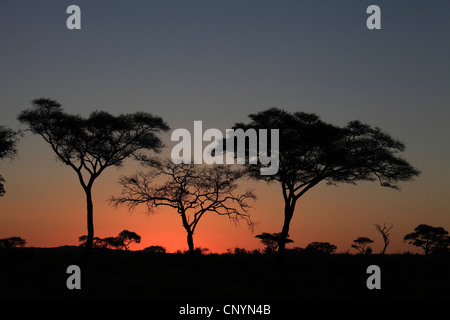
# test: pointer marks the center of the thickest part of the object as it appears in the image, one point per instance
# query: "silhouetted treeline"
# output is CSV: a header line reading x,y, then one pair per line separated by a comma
x,y
122,241
310,151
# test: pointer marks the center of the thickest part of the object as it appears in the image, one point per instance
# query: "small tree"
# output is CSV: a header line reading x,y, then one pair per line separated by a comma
x,y
190,189
122,241
96,242
321,248
127,237
155,249
361,244
113,243
430,239
272,241
385,234
12,242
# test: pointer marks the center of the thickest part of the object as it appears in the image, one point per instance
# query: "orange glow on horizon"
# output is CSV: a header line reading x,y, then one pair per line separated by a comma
x,y
46,207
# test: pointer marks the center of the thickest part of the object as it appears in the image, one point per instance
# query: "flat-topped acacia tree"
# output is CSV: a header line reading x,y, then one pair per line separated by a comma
x,y
312,151
90,145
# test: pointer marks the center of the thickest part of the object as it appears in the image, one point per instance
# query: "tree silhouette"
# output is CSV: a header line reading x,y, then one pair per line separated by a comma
x,y
430,239
12,242
385,234
272,241
113,243
361,244
127,237
96,242
90,145
8,149
320,247
122,241
191,189
311,151
155,249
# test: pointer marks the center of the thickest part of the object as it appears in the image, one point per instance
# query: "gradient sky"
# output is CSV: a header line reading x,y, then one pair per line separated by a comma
x,y
218,61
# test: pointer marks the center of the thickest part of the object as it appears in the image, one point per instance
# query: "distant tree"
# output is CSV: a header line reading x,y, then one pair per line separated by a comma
x,y
192,190
113,243
321,248
8,149
430,239
272,241
312,151
122,241
127,237
361,244
198,251
385,234
155,249
12,242
90,145
238,251
96,243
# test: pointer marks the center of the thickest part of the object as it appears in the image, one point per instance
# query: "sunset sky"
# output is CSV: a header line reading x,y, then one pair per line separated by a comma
x,y
218,61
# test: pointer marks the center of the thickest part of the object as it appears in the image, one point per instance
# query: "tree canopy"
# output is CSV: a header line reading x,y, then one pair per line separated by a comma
x,y
320,248
12,242
190,189
8,149
361,244
430,239
312,151
90,145
272,241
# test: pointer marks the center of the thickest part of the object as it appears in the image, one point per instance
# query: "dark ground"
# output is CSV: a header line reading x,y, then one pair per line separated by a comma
x,y
40,273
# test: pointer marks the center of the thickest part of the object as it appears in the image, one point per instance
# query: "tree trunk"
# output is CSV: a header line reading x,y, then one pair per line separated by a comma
x,y
190,241
384,249
90,223
190,233
289,208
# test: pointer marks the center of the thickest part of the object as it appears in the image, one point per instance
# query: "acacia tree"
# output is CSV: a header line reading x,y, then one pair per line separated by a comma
x,y
320,248
12,242
312,151
430,239
96,243
192,190
385,234
8,149
127,237
90,145
272,241
361,244
122,241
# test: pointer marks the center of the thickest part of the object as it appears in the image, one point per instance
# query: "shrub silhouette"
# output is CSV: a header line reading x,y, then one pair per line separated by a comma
x,y
320,248
155,249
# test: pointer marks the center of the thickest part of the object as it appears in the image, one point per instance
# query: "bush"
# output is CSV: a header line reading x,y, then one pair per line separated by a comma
x,y
155,249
